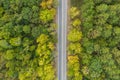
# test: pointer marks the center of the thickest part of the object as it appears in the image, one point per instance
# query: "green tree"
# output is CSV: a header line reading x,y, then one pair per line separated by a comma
x,y
101,19
107,31
26,13
26,29
9,54
116,54
4,44
102,8
15,41
117,31
36,32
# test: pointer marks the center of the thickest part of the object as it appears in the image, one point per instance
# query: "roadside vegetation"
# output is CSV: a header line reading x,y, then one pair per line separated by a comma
x,y
27,40
99,45
74,45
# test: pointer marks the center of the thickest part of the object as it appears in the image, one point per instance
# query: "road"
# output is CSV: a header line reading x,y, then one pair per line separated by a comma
x,y
62,31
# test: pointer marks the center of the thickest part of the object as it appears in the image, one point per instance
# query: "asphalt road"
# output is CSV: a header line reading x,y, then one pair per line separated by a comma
x,y
62,31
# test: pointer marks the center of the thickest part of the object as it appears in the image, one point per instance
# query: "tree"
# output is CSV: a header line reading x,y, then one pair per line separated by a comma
x,y
43,72
116,54
18,29
51,46
76,23
9,55
85,59
97,1
26,29
74,48
102,8
42,39
95,69
35,15
47,15
4,44
74,12
45,58
73,68
74,35
107,31
26,13
92,34
88,12
88,45
117,31
101,19
36,31
113,19
47,4
15,41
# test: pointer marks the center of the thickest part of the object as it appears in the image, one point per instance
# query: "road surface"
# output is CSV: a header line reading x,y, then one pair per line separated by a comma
x,y
62,31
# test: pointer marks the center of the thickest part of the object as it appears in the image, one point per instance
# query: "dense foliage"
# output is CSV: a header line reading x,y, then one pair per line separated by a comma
x,y
74,45
27,39
99,57
101,33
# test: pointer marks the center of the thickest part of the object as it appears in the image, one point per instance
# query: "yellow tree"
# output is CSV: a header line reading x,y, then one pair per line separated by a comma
x,y
47,15
74,48
73,68
74,12
74,35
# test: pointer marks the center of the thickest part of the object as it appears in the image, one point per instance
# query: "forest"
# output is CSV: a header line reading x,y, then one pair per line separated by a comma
x,y
27,39
94,40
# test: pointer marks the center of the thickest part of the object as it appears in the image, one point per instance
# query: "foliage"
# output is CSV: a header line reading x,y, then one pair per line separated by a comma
x,y
15,41
73,68
74,35
25,34
76,23
95,69
26,29
45,57
4,44
100,40
102,8
74,12
116,55
74,46
47,15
